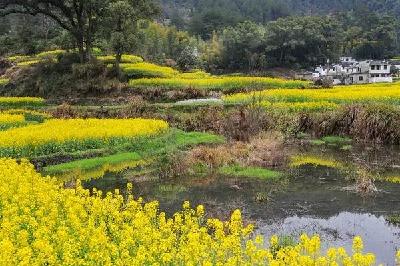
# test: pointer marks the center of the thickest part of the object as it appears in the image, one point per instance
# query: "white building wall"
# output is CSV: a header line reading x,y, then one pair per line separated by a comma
x,y
380,79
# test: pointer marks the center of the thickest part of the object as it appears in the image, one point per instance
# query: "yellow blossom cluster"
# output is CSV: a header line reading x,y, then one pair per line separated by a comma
x,y
300,160
76,133
11,118
45,224
29,113
148,70
392,179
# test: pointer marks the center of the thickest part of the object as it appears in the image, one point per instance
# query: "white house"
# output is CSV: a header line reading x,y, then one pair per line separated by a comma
x,y
351,71
380,72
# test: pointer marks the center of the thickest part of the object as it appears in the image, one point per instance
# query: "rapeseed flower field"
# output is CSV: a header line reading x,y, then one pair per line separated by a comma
x,y
223,83
321,99
43,223
74,134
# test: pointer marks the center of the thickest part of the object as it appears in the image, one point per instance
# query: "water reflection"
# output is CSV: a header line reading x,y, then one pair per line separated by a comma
x,y
379,237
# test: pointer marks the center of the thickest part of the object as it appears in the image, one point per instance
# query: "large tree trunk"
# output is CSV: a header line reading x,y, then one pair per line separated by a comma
x,y
118,58
81,48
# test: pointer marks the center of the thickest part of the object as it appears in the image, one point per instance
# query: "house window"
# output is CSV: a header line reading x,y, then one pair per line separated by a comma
x,y
373,67
378,67
360,78
385,67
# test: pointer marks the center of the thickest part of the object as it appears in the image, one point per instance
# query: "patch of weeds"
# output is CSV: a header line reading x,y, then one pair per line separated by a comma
x,y
317,142
346,147
302,135
171,188
252,172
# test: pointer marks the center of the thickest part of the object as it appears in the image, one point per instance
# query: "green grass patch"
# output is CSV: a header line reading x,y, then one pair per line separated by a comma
x,y
173,140
88,164
336,140
253,172
344,142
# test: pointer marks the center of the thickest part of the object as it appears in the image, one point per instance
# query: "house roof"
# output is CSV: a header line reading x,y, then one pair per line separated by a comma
x,y
379,62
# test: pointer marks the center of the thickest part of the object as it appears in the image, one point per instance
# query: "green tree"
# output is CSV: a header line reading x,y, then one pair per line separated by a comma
x,y
79,17
303,41
120,23
243,46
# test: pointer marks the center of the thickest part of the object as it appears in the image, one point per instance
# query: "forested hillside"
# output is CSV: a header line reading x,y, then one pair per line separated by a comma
x,y
203,16
225,35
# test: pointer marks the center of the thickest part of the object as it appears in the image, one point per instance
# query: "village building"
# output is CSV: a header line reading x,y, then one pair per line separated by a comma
x,y
350,71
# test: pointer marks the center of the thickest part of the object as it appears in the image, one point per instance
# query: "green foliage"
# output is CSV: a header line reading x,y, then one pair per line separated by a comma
x,y
303,40
253,172
244,47
163,44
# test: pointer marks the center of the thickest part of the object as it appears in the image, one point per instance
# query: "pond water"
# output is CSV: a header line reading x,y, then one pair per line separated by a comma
x,y
311,198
